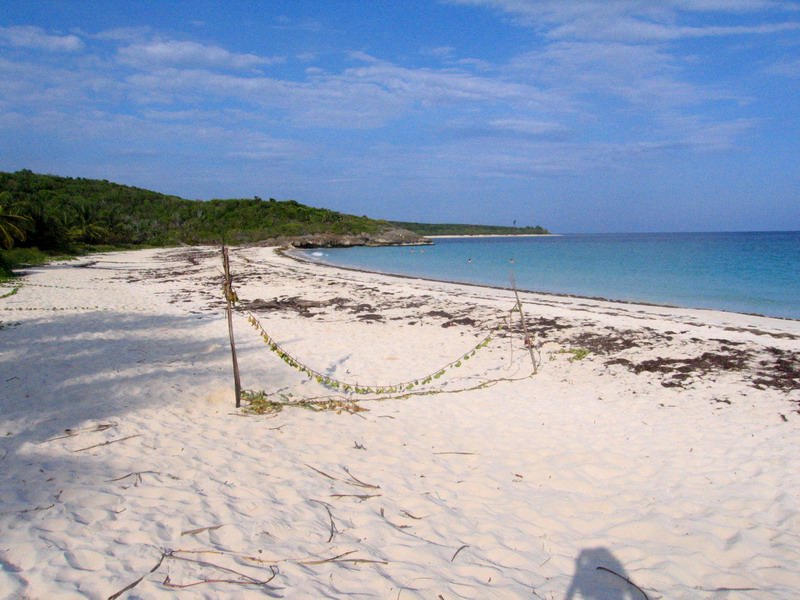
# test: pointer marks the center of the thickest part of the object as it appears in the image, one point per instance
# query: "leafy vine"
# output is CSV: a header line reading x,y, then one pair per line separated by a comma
x,y
342,386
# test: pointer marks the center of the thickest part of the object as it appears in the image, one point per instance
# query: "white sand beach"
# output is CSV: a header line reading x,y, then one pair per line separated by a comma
x,y
662,464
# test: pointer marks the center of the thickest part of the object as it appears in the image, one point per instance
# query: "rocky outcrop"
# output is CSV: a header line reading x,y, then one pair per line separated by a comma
x,y
390,237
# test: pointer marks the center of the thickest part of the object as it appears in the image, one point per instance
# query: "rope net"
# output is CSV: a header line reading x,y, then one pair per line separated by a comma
x,y
360,389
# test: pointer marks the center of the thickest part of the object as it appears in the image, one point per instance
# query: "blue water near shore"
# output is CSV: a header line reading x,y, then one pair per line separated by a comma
x,y
741,272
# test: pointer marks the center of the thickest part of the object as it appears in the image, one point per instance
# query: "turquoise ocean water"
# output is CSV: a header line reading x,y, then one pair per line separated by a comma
x,y
740,272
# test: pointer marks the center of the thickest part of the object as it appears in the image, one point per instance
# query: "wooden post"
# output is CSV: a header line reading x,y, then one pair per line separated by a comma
x,y
528,340
230,298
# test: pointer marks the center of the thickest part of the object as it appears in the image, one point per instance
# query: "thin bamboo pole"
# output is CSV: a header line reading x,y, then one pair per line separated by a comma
x,y
528,339
230,298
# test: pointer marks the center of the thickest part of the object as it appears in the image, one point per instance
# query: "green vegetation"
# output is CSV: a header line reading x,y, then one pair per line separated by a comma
x,y
11,293
18,257
10,227
350,388
456,229
577,353
64,214
258,403
64,210
45,216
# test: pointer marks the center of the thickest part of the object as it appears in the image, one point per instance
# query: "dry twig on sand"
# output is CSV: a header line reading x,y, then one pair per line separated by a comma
x,y
459,550
108,442
201,530
340,559
137,475
646,597
68,433
327,507
351,481
360,497
243,579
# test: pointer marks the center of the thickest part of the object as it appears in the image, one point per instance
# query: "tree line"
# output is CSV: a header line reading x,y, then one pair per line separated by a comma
x,y
60,213
462,229
65,215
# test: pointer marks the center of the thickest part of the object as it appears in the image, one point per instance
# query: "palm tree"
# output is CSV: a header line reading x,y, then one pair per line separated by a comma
x,y
85,227
9,228
43,228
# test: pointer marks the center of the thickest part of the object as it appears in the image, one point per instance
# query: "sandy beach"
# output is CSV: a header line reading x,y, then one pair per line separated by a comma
x,y
653,455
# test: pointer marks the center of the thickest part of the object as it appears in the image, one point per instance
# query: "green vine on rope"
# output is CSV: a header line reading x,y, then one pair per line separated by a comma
x,y
342,386
58,308
11,293
56,287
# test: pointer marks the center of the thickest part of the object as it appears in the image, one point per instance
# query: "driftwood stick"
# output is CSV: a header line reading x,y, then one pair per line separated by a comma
x,y
138,581
334,529
136,474
168,582
27,510
230,298
326,560
340,559
459,550
68,433
528,340
358,482
209,565
405,513
359,497
108,442
625,579
201,530
323,473
352,480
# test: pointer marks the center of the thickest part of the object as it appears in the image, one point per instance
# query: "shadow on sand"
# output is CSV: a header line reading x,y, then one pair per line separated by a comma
x,y
57,373
600,576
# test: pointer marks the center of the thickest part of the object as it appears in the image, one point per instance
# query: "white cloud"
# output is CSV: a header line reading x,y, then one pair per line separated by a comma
x,y
786,68
441,52
35,86
641,88
37,39
733,6
288,24
704,135
363,57
181,135
190,54
124,34
512,128
438,86
527,126
568,106
634,30
635,21
360,97
474,63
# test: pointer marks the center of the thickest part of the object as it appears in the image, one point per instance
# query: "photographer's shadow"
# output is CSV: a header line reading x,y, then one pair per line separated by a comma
x,y
600,576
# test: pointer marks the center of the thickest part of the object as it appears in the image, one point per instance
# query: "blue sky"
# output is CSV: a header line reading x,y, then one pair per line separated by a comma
x,y
581,116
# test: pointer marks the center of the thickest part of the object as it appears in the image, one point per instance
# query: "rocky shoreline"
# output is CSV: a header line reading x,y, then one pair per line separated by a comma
x,y
390,237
